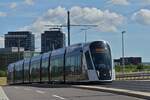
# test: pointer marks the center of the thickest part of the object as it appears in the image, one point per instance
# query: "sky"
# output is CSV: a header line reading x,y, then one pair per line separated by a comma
x,y
111,16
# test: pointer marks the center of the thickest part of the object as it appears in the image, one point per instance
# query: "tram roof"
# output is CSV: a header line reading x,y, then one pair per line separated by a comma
x,y
36,57
47,54
58,52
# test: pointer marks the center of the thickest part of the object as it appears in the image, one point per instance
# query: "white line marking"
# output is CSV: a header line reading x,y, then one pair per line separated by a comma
x,y
3,96
27,89
16,87
38,91
58,97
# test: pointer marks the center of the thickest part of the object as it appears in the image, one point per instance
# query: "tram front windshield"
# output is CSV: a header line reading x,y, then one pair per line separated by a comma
x,y
101,56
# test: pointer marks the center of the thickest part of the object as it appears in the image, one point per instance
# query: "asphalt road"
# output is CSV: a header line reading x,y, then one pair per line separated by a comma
x,y
143,86
61,93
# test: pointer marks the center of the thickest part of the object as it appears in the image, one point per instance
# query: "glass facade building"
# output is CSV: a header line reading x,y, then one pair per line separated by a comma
x,y
52,39
23,39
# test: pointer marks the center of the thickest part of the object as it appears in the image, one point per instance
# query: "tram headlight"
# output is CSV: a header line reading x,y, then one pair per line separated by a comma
x,y
97,72
110,72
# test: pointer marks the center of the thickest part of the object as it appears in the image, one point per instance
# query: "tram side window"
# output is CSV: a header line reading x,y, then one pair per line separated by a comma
x,y
78,66
88,60
26,71
19,71
57,68
35,68
73,67
68,65
45,63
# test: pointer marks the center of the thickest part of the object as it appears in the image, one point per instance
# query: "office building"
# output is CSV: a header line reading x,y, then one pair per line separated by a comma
x,y
9,55
52,39
18,39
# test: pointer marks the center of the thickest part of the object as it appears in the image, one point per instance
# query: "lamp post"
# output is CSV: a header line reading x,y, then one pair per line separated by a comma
x,y
68,26
123,60
85,33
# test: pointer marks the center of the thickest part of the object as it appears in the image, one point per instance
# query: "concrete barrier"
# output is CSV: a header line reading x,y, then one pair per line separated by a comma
x,y
3,81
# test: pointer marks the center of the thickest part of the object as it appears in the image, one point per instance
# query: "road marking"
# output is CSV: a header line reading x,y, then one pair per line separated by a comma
x,y
38,91
3,96
58,97
16,87
28,89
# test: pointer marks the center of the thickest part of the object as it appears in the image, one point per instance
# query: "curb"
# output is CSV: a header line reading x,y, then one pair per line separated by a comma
x,y
138,94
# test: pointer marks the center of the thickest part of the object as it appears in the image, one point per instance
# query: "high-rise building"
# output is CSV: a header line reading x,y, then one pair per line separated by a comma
x,y
52,39
23,39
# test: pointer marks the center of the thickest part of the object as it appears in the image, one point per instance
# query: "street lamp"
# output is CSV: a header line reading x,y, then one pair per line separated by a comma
x,y
123,60
85,33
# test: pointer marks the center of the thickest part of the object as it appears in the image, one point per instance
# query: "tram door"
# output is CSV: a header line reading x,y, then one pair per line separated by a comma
x,y
92,76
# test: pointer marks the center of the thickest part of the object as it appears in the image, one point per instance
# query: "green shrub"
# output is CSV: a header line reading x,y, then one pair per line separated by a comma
x,y
2,73
132,68
140,67
118,68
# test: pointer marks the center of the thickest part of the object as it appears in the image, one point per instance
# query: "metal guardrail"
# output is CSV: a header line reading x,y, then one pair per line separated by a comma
x,y
133,76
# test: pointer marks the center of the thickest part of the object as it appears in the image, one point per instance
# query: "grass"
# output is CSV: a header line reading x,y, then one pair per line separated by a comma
x,y
132,68
3,80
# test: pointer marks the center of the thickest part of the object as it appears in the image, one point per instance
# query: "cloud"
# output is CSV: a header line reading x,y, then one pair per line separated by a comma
x,y
13,5
142,17
1,42
119,2
29,2
146,2
2,14
142,2
107,21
